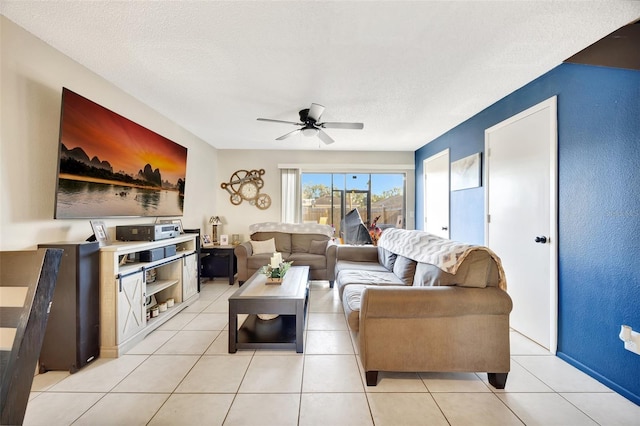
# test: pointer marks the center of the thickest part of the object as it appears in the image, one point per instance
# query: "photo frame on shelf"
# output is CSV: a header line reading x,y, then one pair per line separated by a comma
x,y
224,240
206,239
100,232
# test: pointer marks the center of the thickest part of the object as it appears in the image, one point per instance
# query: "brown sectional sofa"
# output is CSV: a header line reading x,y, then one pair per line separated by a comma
x,y
411,315
303,244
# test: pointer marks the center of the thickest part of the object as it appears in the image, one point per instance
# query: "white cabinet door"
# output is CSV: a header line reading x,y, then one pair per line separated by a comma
x,y
131,309
189,276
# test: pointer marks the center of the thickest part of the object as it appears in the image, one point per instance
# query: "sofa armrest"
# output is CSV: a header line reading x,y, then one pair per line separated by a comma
x,y
243,252
331,256
366,253
425,302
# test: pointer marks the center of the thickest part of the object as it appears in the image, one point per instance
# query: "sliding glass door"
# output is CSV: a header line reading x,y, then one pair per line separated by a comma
x,y
328,197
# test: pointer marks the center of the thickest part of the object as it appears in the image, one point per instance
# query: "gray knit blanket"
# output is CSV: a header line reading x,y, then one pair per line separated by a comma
x,y
428,248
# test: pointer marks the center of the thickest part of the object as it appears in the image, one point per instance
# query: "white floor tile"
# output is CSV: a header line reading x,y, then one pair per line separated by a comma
x,y
608,409
188,342
334,409
264,410
197,306
57,408
545,409
331,373
208,321
475,409
325,301
101,375
152,342
273,374
559,375
193,409
389,381
518,380
215,374
453,382
326,321
405,409
119,409
521,345
178,322
42,382
328,342
159,374
218,306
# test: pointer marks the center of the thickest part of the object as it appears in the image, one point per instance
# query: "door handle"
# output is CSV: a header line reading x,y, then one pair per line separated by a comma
x,y
541,240
445,228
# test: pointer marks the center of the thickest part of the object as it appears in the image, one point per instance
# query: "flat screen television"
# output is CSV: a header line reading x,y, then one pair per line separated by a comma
x,y
109,166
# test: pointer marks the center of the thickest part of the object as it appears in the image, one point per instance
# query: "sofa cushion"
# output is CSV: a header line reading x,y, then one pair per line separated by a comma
x,y
300,243
257,261
263,247
283,240
351,300
313,261
405,269
345,265
318,247
430,275
349,277
386,258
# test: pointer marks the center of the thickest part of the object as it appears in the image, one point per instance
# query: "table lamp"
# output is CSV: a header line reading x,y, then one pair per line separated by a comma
x,y
215,221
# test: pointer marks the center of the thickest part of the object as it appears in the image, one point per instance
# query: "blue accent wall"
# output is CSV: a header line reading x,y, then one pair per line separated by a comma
x,y
599,209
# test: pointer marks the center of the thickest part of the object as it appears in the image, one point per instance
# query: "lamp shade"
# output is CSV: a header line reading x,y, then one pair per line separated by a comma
x,y
215,220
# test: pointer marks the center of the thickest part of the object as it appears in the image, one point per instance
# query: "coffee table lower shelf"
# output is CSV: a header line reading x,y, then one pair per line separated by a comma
x,y
277,333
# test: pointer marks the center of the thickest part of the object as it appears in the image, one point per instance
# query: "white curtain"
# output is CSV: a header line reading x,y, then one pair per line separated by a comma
x,y
291,196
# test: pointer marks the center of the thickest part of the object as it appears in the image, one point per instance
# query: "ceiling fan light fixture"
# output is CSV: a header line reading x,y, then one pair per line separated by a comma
x,y
309,131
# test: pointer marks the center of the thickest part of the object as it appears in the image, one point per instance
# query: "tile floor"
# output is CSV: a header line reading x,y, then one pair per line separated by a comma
x,y
182,374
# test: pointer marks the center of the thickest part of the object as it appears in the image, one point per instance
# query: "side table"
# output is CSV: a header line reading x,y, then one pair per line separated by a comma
x,y
218,261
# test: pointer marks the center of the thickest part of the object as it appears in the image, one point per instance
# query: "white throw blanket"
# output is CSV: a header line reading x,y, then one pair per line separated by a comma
x,y
428,248
292,228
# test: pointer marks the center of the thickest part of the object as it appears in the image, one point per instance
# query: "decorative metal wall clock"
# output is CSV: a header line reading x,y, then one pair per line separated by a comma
x,y
246,185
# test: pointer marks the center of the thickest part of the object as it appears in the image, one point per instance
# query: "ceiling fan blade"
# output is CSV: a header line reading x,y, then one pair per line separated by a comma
x,y
325,137
287,135
280,121
338,125
315,111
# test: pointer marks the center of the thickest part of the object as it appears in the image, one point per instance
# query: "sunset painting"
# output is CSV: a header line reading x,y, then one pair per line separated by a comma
x,y
110,166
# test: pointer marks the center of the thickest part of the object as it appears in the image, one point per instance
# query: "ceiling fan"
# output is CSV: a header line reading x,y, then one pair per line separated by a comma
x,y
311,125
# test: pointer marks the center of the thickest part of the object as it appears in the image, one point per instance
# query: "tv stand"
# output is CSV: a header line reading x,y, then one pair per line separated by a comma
x,y
128,284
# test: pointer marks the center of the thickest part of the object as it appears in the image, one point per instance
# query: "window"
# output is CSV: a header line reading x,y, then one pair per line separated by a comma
x,y
328,197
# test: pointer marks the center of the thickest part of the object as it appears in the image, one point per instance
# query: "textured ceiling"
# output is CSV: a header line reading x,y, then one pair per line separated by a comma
x,y
409,71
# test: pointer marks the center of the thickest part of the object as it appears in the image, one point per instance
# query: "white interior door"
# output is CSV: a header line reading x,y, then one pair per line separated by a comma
x,y
436,196
521,164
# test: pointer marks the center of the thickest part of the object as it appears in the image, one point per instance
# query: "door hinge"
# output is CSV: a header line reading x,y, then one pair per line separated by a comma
x,y
488,218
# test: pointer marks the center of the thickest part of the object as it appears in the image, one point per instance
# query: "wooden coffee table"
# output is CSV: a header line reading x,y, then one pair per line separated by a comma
x,y
288,300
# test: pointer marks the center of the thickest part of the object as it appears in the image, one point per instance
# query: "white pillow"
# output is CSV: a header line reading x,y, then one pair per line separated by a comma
x,y
261,247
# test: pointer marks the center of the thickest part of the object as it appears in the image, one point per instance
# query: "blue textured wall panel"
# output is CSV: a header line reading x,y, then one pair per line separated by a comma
x,y
599,209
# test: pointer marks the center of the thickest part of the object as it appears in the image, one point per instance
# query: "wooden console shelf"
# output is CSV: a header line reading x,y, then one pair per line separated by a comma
x,y
125,294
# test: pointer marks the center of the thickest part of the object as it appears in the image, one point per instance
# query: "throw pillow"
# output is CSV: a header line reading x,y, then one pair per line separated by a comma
x,y
405,269
318,247
262,247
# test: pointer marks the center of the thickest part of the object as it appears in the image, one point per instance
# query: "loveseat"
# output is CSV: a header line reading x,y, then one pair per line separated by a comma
x,y
423,303
303,244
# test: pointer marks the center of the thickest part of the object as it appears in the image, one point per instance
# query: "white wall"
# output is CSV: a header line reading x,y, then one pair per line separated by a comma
x,y
236,219
31,81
